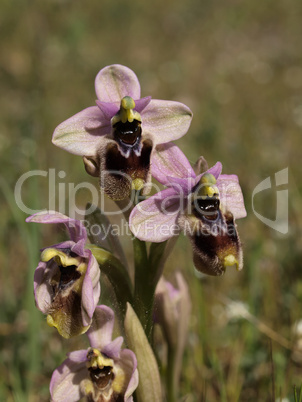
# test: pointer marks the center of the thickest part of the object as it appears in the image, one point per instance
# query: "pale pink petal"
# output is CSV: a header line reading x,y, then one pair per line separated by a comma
x,y
116,81
100,332
79,248
91,289
82,133
169,160
155,218
165,121
182,186
129,364
65,381
75,228
140,104
215,170
113,348
108,109
63,245
78,356
42,287
231,197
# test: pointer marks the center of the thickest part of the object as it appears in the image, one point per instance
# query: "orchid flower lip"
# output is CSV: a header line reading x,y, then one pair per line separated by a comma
x,y
128,135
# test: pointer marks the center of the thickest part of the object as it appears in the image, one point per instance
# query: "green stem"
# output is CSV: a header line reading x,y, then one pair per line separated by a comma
x,y
148,271
170,376
144,287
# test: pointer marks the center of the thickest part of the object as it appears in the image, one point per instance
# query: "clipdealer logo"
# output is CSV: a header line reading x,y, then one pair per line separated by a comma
x,y
280,223
60,190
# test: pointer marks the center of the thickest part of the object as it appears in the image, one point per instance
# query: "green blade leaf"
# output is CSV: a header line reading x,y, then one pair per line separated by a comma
x,y
149,388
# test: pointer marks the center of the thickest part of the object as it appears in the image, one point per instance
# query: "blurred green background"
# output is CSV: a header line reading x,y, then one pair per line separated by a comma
x,y
237,65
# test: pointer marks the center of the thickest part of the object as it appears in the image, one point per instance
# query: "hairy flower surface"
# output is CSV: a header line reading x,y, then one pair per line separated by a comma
x,y
117,137
66,281
204,206
104,372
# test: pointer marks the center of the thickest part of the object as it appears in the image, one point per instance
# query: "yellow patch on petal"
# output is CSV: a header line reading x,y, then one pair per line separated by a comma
x,y
60,257
137,184
87,387
119,381
50,321
230,260
58,321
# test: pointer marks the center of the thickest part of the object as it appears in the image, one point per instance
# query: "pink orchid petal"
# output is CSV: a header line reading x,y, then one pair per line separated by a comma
x,y
65,381
91,289
129,364
182,186
165,121
82,133
65,244
169,160
42,287
108,109
79,248
215,170
155,218
140,104
230,194
75,228
78,356
100,332
113,348
116,81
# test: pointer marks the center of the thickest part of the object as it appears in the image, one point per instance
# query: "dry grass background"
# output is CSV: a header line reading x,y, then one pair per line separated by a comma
x,y
237,65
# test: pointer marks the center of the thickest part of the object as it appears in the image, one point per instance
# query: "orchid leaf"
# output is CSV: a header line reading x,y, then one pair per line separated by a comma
x,y
149,387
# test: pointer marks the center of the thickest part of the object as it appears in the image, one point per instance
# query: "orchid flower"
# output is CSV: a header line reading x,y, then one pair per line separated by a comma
x,y
204,206
66,280
117,136
172,309
104,372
